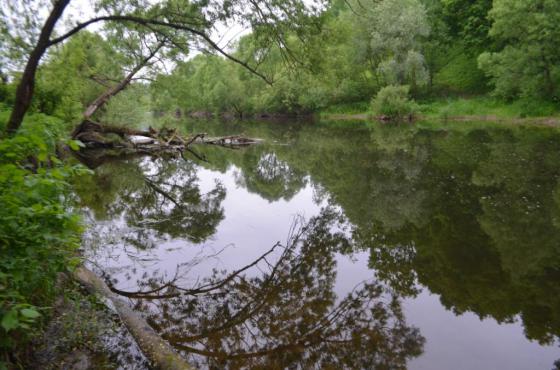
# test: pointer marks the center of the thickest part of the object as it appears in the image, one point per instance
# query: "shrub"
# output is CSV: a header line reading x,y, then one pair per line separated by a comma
x,y
38,231
393,102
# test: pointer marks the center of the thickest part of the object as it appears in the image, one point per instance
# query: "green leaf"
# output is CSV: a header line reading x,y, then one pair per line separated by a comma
x,y
42,156
30,313
73,263
75,144
10,320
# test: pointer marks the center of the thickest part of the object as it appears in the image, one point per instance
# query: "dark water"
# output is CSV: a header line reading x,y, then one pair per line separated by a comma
x,y
341,245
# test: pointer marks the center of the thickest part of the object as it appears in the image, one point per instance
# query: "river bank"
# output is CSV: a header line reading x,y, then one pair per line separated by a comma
x,y
479,109
82,333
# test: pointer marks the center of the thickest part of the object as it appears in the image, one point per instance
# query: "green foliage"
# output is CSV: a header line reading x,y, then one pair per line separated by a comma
x,y
345,62
4,92
528,63
348,108
467,20
433,47
487,107
38,231
530,107
131,108
460,74
393,102
395,29
66,83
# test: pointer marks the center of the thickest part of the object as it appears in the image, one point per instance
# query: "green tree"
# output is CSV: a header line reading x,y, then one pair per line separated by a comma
x,y
528,61
75,74
468,20
396,30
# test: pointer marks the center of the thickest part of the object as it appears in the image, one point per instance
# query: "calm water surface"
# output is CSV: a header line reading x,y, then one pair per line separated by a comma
x,y
340,245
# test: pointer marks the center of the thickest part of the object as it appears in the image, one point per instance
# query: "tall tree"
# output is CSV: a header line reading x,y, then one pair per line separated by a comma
x,y
26,86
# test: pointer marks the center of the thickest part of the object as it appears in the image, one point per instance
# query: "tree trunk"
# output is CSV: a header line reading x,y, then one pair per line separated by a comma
x,y
104,98
156,349
24,92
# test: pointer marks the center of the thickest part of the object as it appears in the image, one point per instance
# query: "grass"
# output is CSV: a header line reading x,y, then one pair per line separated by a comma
x,y
487,107
482,108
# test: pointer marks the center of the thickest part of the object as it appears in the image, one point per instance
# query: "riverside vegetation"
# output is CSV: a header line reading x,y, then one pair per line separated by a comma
x,y
393,59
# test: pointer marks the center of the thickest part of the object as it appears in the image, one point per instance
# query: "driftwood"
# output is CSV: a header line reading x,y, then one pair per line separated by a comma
x,y
96,135
156,349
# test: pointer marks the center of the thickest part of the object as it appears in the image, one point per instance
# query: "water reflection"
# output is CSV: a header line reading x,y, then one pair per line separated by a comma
x,y
470,213
270,177
286,315
157,198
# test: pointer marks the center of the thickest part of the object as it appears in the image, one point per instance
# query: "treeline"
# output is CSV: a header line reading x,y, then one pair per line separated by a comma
x,y
503,49
506,49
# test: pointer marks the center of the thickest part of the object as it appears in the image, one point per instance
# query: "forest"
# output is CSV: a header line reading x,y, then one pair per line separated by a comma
x,y
84,75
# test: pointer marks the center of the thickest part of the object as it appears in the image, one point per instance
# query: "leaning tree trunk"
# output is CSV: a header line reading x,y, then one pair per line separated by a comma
x,y
153,346
24,92
104,98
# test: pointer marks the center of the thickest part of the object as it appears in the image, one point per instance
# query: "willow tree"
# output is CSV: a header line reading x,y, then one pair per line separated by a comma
x,y
26,34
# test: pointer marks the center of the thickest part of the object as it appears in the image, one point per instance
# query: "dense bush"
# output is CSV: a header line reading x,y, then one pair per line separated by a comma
x,y
393,102
38,231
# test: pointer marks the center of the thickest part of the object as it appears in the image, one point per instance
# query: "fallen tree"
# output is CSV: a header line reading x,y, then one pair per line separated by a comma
x,y
155,348
97,135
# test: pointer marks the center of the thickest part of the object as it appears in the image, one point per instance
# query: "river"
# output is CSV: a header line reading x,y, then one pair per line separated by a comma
x,y
340,245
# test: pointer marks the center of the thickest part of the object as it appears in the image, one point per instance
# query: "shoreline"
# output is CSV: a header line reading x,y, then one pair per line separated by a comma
x,y
550,121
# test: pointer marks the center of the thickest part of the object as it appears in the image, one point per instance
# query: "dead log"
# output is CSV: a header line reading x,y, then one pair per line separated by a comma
x,y
233,140
95,135
156,349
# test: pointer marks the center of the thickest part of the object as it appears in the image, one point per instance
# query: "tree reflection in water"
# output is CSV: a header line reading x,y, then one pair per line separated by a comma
x,y
156,199
265,174
280,310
